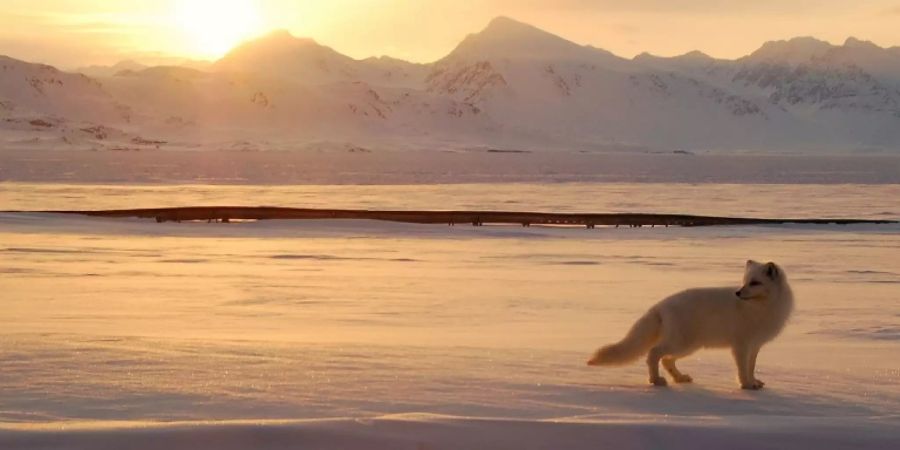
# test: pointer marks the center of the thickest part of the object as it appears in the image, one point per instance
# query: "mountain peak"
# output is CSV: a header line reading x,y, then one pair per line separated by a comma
x,y
277,39
278,50
692,57
504,37
504,24
696,55
853,42
798,49
505,29
281,33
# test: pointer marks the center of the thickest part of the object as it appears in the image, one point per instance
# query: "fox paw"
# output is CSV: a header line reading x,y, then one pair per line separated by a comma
x,y
659,381
683,378
760,382
755,385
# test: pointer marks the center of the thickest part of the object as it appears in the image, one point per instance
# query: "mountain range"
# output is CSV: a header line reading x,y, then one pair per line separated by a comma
x,y
510,86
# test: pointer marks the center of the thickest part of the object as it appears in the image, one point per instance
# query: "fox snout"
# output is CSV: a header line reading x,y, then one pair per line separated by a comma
x,y
737,293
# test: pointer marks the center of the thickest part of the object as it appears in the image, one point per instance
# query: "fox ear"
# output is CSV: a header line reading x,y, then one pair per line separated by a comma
x,y
771,270
750,262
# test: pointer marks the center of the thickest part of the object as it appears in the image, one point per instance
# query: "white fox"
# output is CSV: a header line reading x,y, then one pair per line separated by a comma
x,y
679,325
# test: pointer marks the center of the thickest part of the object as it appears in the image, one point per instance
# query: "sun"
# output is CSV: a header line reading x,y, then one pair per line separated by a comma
x,y
213,27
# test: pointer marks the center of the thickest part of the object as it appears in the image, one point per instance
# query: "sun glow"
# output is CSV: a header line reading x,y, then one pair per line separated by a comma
x,y
214,27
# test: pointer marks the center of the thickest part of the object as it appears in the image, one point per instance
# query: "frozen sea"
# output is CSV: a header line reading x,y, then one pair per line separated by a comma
x,y
128,334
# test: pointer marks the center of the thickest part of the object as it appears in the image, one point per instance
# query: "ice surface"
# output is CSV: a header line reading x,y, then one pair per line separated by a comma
x,y
430,163
357,334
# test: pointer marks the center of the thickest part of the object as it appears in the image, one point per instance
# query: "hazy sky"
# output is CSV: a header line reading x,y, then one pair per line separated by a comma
x,y
73,33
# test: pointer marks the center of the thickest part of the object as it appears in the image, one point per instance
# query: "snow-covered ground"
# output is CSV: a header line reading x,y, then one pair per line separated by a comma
x,y
344,163
119,333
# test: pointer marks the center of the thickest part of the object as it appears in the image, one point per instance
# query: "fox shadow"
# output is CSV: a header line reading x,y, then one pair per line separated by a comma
x,y
693,399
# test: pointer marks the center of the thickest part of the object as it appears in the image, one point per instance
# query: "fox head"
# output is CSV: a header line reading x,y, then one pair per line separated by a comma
x,y
760,280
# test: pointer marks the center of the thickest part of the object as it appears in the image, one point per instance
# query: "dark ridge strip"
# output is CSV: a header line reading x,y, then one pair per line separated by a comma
x,y
477,218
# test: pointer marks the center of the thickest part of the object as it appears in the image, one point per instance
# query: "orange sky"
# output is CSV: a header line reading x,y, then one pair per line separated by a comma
x,y
73,33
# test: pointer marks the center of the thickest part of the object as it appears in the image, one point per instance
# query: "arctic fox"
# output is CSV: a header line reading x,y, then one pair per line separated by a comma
x,y
679,325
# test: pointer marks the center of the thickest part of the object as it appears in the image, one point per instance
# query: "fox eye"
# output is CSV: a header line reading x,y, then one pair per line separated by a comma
x,y
755,283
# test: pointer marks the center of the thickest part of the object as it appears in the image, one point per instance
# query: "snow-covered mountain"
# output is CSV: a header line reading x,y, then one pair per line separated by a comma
x,y
510,85
826,94
279,54
107,71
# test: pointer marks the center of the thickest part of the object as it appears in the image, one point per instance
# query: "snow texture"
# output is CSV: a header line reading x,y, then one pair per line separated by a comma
x,y
356,334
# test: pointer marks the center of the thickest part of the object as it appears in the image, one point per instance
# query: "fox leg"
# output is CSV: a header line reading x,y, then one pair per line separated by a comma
x,y
668,363
656,353
741,355
753,354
